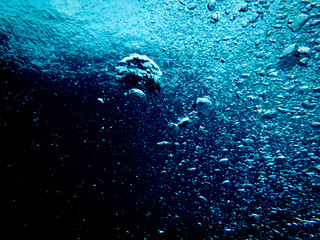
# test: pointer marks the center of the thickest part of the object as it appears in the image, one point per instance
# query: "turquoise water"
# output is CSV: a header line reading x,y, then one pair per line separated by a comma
x,y
226,147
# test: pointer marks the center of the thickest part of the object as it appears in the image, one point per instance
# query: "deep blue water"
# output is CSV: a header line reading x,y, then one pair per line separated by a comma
x,y
81,159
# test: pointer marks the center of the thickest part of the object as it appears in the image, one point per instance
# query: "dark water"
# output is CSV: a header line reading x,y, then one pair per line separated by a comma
x,y
74,167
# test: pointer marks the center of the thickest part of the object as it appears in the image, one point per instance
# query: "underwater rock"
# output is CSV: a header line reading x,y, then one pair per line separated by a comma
x,y
224,161
136,94
203,199
307,104
304,61
315,124
283,110
293,55
140,64
315,186
304,89
316,89
188,122
291,49
270,114
193,169
255,217
244,8
172,128
299,22
100,100
254,17
139,72
315,22
192,6
304,50
214,18
204,105
211,4
226,183
163,143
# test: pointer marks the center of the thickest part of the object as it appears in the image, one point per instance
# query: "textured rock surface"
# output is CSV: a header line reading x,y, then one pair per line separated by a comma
x,y
299,22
